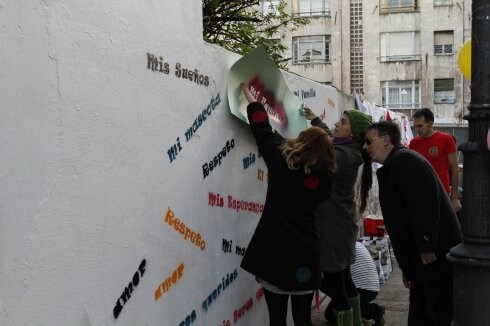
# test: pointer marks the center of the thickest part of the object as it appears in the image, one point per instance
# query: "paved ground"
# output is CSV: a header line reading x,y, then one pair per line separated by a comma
x,y
392,295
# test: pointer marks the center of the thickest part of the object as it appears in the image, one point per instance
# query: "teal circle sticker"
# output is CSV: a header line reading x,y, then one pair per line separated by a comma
x,y
303,274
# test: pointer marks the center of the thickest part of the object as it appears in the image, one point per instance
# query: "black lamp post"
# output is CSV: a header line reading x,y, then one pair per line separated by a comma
x,y
472,258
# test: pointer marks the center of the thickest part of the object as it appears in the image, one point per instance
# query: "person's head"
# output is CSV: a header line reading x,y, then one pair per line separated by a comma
x,y
423,121
381,138
352,123
312,146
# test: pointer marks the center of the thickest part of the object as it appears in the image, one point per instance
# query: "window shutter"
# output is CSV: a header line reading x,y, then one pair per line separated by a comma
x,y
443,85
383,46
443,37
404,44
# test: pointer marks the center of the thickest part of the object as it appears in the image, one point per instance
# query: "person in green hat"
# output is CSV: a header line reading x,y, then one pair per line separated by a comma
x,y
336,218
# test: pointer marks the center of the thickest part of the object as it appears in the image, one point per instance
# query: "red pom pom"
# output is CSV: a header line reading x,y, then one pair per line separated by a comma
x,y
312,182
259,116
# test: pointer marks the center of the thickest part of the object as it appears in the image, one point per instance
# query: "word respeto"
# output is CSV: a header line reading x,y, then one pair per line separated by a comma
x,y
180,227
216,161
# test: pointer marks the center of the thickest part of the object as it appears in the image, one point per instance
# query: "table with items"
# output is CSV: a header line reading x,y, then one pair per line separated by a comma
x,y
380,250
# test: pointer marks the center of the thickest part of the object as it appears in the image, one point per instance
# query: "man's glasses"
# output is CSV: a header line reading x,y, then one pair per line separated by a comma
x,y
368,140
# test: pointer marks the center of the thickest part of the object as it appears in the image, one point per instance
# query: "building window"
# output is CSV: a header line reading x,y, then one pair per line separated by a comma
x,y
311,49
269,7
444,91
443,3
394,6
443,42
400,94
400,46
356,47
311,7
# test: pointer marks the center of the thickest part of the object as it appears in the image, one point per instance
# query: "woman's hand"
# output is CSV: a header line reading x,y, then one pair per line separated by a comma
x,y
247,93
309,115
428,257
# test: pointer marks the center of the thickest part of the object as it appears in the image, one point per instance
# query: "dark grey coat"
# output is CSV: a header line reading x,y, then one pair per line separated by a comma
x,y
336,217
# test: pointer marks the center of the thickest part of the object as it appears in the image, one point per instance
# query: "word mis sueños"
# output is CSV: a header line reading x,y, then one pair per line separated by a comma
x,y
156,63
216,161
129,289
176,148
180,227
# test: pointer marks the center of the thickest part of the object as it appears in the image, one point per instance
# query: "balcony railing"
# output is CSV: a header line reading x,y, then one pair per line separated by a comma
x,y
443,3
309,61
407,57
399,106
312,13
398,9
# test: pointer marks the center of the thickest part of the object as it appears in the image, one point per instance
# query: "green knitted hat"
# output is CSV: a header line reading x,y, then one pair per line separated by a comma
x,y
359,122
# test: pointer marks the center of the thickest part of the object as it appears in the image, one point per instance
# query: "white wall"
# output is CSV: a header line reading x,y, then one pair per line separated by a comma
x,y
86,178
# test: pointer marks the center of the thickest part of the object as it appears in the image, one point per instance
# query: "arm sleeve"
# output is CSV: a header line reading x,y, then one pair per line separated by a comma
x,y
450,145
317,122
267,140
419,189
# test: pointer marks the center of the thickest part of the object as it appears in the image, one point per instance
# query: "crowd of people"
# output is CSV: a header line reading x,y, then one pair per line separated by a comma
x,y
314,206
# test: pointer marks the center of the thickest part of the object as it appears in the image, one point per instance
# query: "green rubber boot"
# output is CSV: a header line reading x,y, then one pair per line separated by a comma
x,y
343,317
355,303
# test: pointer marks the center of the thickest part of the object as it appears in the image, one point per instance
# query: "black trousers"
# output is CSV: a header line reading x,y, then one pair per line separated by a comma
x,y
366,297
339,287
277,304
431,303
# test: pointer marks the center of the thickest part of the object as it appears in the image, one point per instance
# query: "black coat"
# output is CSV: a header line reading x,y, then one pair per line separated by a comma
x,y
284,249
418,215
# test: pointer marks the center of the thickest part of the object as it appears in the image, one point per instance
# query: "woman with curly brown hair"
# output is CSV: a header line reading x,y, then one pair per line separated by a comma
x,y
284,252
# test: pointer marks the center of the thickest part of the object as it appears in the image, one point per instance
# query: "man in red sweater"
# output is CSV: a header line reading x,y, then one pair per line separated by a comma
x,y
440,150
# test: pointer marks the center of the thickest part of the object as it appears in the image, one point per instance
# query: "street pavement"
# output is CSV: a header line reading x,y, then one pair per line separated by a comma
x,y
393,296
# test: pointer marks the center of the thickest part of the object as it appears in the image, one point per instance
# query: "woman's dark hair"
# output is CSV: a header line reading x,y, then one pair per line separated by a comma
x,y
366,180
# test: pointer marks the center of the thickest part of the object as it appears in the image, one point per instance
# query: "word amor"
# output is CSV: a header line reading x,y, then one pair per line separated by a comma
x,y
169,282
129,289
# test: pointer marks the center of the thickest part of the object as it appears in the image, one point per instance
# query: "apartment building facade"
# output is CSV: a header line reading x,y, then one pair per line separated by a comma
x,y
400,54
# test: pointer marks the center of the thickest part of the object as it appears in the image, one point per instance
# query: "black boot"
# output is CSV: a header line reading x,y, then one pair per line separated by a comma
x,y
329,314
376,313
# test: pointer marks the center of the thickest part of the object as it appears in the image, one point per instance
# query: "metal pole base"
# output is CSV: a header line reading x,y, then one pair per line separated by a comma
x,y
471,284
